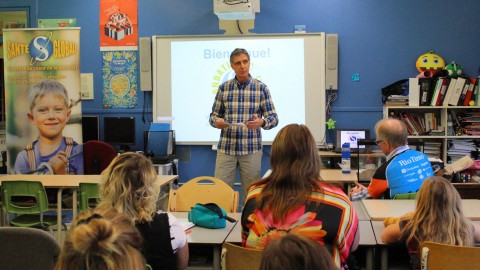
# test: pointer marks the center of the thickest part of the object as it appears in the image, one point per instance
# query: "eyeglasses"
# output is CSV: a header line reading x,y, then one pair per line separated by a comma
x,y
378,142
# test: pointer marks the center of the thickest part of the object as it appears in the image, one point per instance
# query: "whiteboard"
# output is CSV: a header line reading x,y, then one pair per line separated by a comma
x,y
187,71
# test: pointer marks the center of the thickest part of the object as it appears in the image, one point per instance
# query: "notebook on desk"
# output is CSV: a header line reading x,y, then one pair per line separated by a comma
x,y
351,136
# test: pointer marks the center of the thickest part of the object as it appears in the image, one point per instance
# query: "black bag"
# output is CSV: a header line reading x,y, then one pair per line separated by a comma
x,y
396,88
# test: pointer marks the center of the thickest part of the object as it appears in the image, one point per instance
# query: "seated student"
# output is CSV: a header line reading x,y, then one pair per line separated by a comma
x,y
293,199
101,240
295,251
404,170
129,184
438,217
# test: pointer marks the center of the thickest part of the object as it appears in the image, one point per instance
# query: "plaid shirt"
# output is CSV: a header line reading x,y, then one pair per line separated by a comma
x,y
237,102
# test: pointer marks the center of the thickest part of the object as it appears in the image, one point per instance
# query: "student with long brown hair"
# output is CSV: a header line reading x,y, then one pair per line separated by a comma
x,y
438,217
293,199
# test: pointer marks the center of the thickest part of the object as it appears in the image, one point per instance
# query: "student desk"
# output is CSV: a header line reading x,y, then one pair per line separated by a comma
x,y
212,237
72,182
378,210
335,176
367,239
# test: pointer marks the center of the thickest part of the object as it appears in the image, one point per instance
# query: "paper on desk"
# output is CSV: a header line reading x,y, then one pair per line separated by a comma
x,y
237,124
185,223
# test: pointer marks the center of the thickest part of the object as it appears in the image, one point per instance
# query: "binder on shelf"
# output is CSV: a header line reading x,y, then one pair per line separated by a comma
x,y
426,91
436,92
449,91
476,92
469,94
413,92
443,91
463,95
457,91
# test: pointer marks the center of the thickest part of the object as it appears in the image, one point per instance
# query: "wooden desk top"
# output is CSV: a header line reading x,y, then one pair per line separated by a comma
x,y
199,235
336,175
380,209
70,180
361,213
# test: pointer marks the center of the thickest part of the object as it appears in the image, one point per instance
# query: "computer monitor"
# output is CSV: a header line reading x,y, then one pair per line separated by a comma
x,y
90,128
119,131
351,136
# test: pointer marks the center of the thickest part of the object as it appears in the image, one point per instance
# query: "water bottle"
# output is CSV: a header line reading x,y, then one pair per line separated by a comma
x,y
346,158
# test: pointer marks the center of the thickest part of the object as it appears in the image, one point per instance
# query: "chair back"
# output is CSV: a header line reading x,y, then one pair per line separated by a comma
x,y
203,189
235,257
27,248
97,156
437,256
87,196
24,197
28,200
405,196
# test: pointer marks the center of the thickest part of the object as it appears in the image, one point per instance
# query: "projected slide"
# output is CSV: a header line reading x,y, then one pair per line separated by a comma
x,y
187,71
199,67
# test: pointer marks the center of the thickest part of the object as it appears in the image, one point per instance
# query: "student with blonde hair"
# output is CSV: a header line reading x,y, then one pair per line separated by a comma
x,y
129,185
102,240
438,217
293,199
295,251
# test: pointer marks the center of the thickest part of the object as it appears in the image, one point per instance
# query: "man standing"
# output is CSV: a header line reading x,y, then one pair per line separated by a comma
x,y
242,106
405,169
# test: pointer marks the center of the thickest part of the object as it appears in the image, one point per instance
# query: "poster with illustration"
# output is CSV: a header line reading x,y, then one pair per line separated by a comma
x,y
43,105
119,79
118,25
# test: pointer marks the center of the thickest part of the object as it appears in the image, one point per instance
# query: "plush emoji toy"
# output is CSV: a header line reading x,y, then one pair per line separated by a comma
x,y
454,70
430,61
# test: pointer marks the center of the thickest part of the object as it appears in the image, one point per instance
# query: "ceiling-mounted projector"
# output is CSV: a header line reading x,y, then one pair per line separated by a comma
x,y
233,10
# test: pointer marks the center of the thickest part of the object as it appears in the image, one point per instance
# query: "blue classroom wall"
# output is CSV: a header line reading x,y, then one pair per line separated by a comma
x,y
379,40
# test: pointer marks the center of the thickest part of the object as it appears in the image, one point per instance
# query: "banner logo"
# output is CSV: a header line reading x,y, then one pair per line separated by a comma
x,y
40,49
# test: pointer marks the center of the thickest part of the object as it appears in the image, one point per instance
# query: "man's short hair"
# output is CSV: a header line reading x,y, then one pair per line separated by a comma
x,y
47,87
237,52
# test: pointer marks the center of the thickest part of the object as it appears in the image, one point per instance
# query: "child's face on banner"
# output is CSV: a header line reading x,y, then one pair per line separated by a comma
x,y
50,115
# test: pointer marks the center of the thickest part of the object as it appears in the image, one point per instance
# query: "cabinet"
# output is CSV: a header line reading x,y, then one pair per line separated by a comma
x,y
440,124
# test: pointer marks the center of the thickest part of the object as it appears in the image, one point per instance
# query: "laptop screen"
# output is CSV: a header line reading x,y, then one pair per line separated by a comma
x,y
351,136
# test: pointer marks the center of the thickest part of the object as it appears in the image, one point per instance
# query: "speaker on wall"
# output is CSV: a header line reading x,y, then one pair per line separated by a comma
x,y
331,59
145,48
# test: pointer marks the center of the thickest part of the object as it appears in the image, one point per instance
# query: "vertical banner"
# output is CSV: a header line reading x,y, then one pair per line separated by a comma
x,y
43,106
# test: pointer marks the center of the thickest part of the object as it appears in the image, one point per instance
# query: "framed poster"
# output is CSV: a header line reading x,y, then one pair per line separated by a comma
x,y
12,17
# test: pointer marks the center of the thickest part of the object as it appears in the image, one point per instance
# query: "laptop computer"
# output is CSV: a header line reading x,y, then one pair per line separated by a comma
x,y
351,136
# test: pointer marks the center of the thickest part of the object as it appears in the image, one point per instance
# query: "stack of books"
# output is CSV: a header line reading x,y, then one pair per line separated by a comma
x,y
458,148
432,149
397,100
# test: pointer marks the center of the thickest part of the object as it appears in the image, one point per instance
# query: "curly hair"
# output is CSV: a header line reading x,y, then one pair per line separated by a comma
x,y
128,185
102,239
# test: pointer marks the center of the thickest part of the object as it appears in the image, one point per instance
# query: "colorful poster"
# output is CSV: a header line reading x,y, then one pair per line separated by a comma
x,y
118,25
119,79
42,91
10,20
